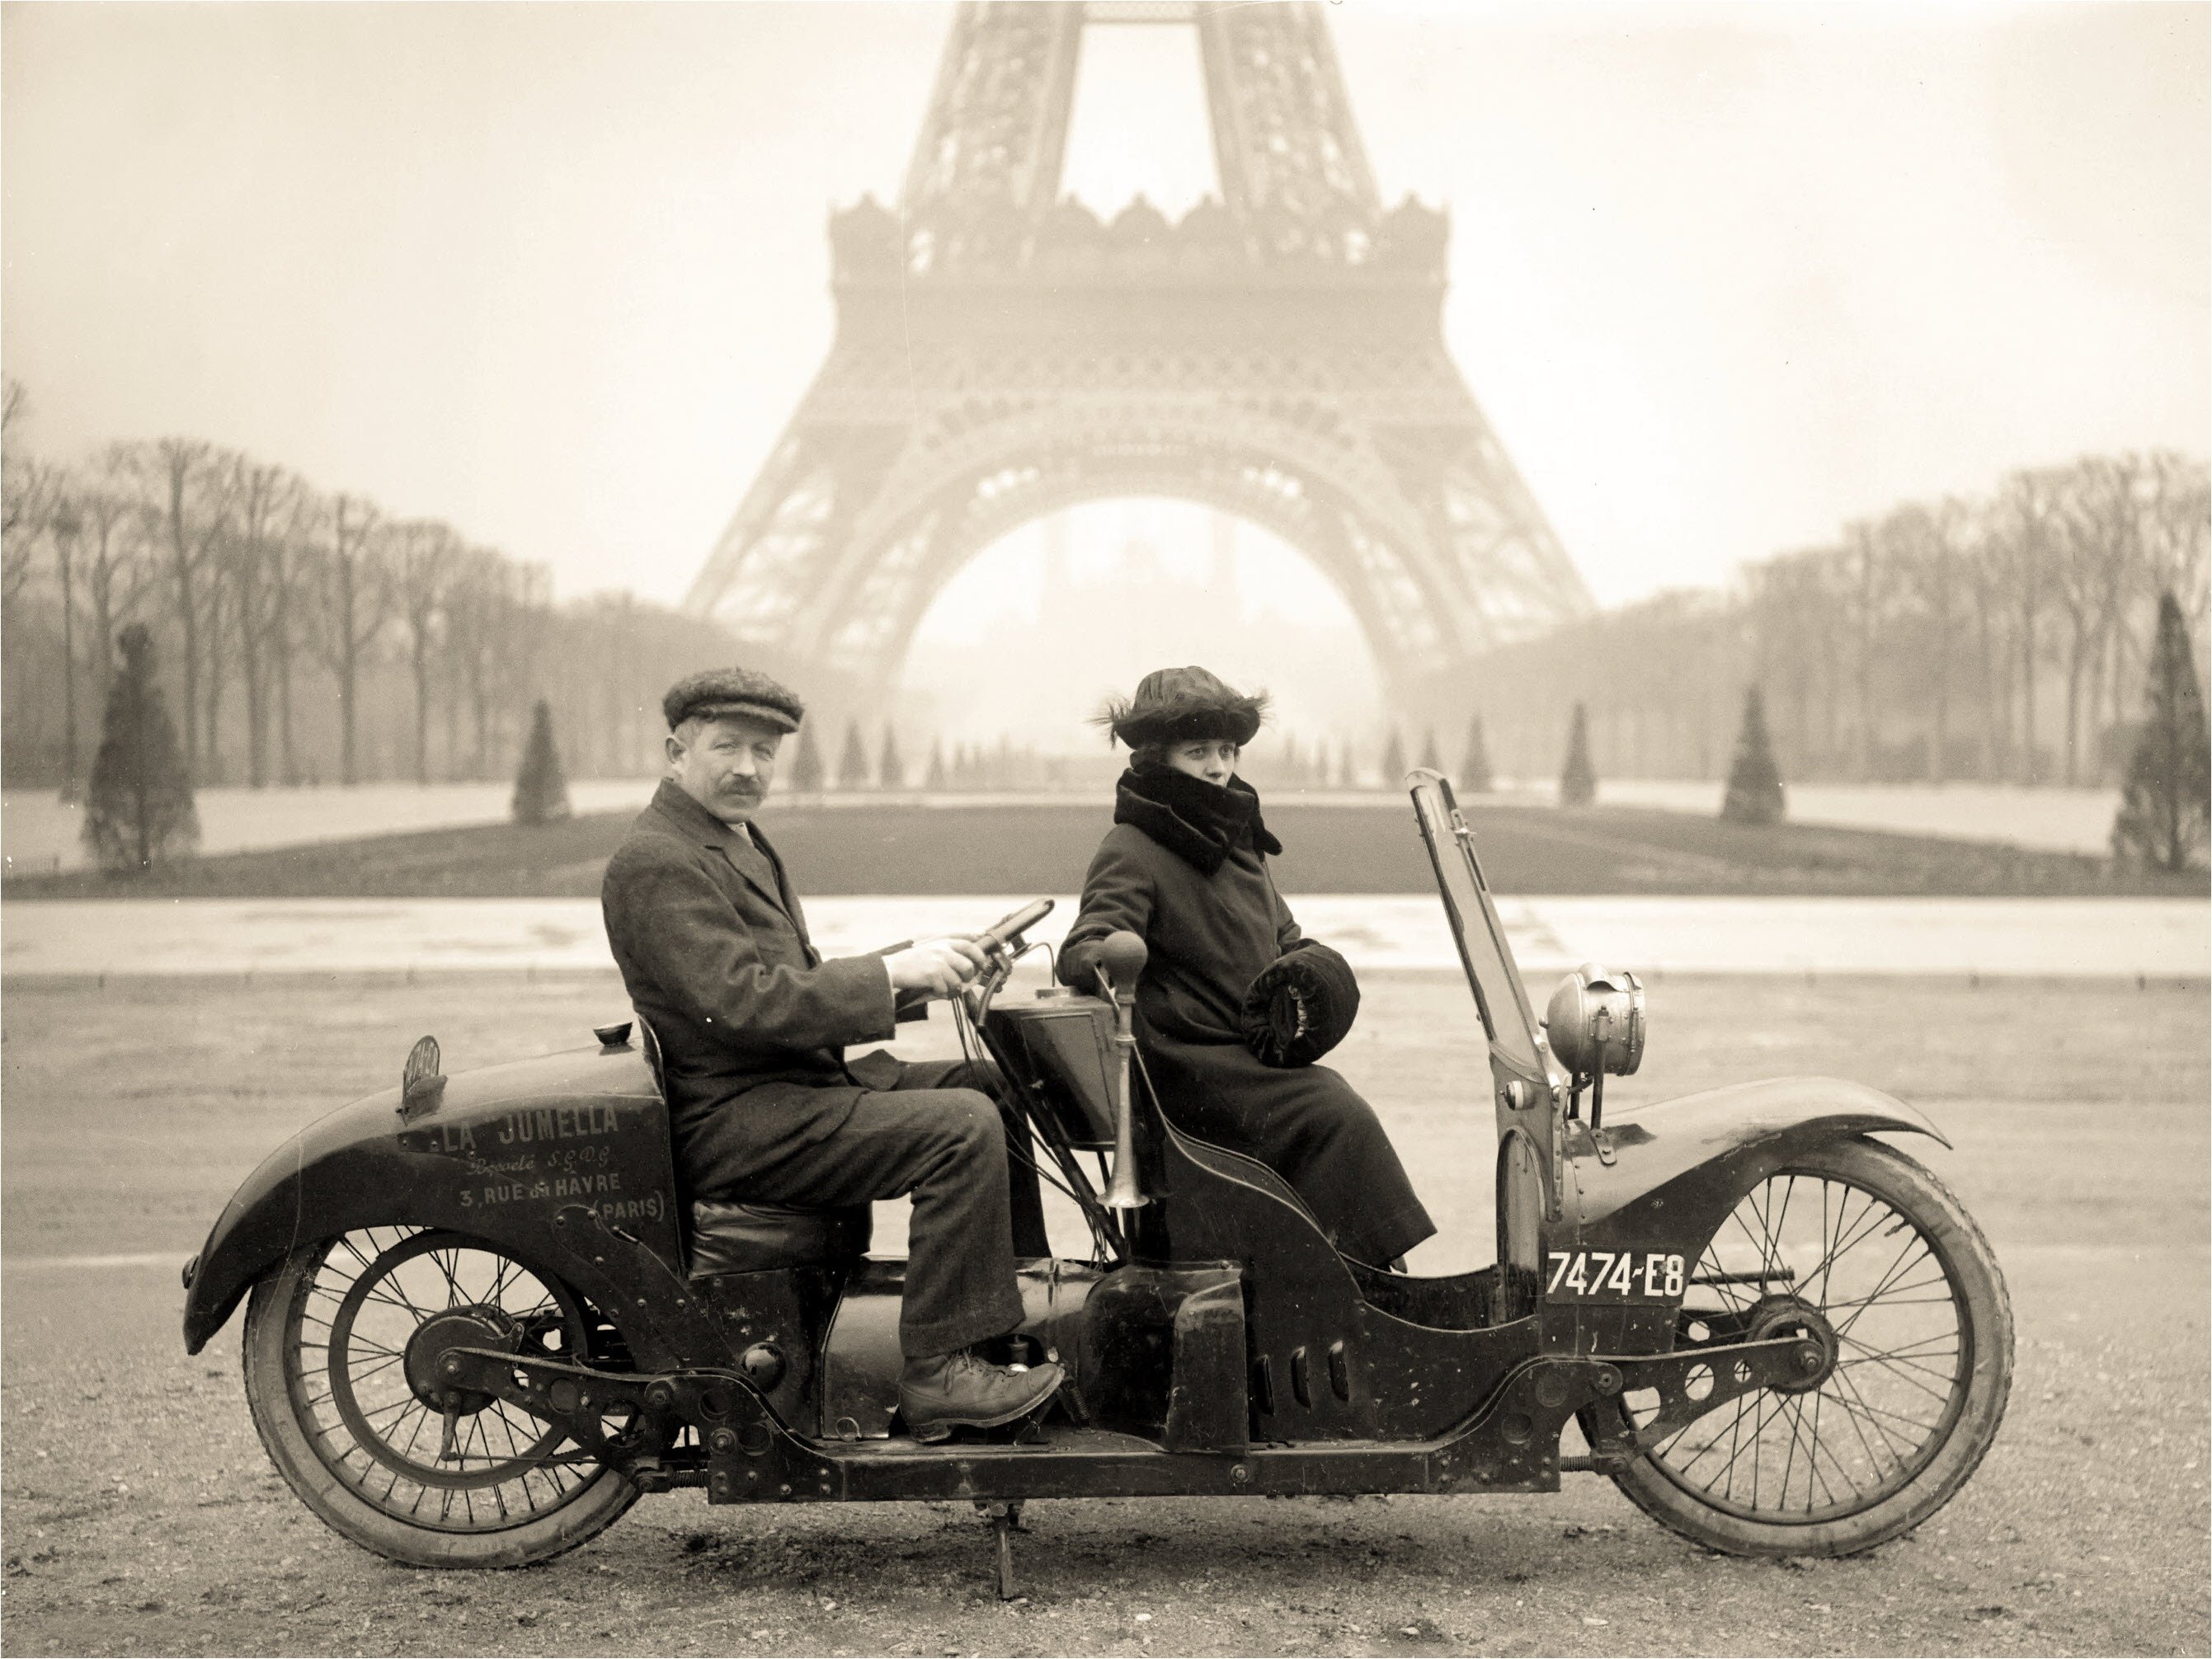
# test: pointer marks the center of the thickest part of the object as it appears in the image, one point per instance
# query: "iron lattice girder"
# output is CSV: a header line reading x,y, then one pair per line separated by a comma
x,y
999,354
1284,136
947,415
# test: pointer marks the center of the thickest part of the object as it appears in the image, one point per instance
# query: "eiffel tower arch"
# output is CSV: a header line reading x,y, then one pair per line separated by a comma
x,y
1002,353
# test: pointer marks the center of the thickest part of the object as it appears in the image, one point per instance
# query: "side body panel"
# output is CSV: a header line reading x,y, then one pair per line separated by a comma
x,y
506,1148
1325,1361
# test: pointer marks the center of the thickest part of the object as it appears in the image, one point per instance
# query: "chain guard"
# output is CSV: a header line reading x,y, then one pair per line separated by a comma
x,y
1731,1370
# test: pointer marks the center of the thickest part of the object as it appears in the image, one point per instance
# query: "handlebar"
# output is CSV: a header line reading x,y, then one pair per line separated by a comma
x,y
1003,932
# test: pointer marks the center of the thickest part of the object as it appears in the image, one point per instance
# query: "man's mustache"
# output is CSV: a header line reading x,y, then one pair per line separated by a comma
x,y
743,787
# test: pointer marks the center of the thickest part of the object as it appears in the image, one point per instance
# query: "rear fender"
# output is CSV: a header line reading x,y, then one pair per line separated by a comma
x,y
1675,1171
505,1149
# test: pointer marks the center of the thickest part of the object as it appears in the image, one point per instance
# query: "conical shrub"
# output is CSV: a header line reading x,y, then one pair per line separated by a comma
x,y
1394,762
1474,777
852,764
890,769
138,810
1754,782
806,765
1578,778
541,789
2162,820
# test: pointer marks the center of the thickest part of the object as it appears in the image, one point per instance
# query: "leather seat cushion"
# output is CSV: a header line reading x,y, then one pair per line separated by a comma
x,y
731,1237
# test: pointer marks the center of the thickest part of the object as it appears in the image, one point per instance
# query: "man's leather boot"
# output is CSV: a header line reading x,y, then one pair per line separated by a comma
x,y
961,1390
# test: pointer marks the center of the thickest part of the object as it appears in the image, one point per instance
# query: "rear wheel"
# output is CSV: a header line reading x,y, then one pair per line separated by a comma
x,y
340,1346
1856,1247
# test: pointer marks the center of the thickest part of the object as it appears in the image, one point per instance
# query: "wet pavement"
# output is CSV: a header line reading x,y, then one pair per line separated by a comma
x,y
2118,938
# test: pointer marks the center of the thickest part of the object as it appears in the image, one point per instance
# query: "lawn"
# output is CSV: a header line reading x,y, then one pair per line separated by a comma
x,y
1044,846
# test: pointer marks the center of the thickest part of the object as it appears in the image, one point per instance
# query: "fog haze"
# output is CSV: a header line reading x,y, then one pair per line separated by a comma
x,y
1723,275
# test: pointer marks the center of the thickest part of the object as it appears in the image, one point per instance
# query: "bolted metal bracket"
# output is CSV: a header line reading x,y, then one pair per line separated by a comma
x,y
667,1323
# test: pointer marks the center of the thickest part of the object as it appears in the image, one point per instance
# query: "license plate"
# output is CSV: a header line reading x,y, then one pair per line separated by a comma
x,y
1605,1276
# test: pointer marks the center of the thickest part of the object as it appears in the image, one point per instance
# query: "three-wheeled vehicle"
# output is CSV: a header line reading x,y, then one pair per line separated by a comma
x,y
483,1317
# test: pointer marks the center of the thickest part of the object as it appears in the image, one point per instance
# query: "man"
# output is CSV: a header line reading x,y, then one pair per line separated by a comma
x,y
752,1022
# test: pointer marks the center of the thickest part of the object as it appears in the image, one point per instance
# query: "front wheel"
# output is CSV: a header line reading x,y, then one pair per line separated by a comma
x,y
341,1342
1858,1246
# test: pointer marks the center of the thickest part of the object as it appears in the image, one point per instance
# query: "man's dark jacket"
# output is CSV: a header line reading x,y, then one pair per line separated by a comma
x,y
712,947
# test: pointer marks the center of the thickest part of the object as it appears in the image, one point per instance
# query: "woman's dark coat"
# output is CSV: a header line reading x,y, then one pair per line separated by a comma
x,y
1185,868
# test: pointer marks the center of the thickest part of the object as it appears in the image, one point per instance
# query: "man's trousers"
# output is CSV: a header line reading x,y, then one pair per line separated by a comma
x,y
936,1134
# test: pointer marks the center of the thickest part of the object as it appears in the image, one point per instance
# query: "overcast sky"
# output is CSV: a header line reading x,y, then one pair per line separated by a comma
x,y
1723,276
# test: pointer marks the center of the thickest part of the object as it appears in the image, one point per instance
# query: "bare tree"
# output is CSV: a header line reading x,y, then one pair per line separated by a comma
x,y
271,504
427,553
63,524
26,499
289,572
478,606
186,486
2098,543
112,558
219,627
2177,530
2032,524
520,645
21,515
1797,613
1950,530
1873,553
353,604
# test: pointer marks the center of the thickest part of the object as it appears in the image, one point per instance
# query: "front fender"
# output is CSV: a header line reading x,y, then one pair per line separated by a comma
x,y
1677,1169
1679,1166
505,1148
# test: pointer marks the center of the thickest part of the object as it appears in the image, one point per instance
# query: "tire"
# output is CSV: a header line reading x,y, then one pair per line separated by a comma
x,y
326,1378
1923,1344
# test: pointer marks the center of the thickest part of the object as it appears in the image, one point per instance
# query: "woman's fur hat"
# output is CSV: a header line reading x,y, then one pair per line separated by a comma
x,y
1182,705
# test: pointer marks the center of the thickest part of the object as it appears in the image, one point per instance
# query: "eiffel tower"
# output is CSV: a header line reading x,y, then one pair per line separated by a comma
x,y
1001,352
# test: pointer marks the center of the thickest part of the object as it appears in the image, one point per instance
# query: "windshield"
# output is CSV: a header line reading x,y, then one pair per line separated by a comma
x,y
1482,948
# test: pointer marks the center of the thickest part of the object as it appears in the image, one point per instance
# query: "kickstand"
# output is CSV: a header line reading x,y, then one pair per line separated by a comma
x,y
1005,1520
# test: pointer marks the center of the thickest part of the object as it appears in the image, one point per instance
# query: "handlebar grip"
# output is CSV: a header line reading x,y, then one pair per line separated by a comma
x,y
1007,929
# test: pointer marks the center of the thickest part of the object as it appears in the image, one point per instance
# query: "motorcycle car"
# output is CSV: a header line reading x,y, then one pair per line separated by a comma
x,y
483,1318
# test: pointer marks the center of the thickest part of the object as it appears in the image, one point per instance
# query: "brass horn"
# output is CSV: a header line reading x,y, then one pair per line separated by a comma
x,y
1121,959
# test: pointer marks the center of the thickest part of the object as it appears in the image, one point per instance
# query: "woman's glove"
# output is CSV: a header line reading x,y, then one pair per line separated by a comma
x,y
1300,1006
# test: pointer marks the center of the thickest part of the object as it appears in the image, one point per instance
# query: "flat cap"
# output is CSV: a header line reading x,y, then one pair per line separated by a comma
x,y
714,692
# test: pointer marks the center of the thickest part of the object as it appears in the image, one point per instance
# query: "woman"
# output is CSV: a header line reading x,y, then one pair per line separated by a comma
x,y
1185,868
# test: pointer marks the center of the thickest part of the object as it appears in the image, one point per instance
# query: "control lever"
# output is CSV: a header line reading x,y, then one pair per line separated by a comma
x,y
1120,960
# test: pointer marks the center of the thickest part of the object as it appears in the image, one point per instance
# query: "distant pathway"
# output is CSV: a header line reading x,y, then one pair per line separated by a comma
x,y
2050,819
40,834
2090,937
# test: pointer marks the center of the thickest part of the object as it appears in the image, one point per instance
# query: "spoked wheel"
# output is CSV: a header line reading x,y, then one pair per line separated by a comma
x,y
342,1343
1857,1248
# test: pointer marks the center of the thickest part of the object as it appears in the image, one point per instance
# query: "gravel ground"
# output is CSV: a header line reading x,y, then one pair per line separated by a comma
x,y
140,1515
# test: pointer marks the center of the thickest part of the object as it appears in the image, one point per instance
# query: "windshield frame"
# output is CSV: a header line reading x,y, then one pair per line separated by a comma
x,y
1499,996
